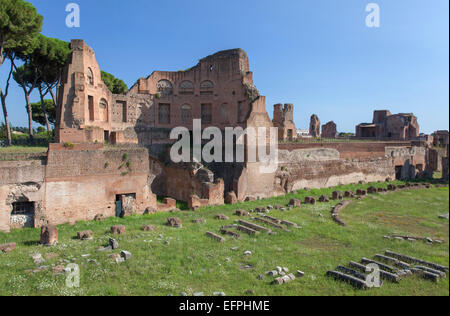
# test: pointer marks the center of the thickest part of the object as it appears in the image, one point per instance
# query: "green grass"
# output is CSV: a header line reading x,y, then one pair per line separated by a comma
x,y
191,262
23,150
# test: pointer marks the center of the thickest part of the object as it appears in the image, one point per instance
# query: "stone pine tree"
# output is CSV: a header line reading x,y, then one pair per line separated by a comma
x,y
19,25
115,85
27,78
38,112
50,61
40,67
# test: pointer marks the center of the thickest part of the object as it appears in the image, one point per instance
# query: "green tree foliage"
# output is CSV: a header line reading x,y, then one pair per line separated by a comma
x,y
38,113
19,25
115,85
41,69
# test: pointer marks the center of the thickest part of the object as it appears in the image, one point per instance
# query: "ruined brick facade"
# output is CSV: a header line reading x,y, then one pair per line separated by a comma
x,y
390,126
283,119
80,178
74,184
329,130
219,90
314,126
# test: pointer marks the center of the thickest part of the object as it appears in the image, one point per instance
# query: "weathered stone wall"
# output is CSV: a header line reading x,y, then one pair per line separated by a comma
x,y
318,168
329,130
20,182
91,187
76,184
181,181
350,150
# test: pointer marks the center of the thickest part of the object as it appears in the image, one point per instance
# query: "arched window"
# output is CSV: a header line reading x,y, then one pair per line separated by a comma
x,y
103,104
186,113
90,77
165,87
186,87
206,88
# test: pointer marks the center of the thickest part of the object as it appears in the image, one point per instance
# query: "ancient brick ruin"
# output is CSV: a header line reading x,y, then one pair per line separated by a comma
x,y
283,119
82,179
390,126
329,130
314,126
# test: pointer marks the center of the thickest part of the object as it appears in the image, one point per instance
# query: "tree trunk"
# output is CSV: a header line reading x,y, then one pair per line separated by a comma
x,y
44,110
53,96
30,114
3,100
5,115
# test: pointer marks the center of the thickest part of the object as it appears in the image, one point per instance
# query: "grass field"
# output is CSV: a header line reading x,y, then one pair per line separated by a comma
x,y
169,261
23,149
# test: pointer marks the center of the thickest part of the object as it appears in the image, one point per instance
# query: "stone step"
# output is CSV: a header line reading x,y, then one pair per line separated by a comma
x,y
230,233
383,274
215,236
416,261
273,219
360,284
390,260
382,266
262,220
426,275
254,226
440,273
247,230
356,274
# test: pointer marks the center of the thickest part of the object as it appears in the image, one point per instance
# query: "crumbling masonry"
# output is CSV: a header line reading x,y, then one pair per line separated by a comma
x,y
81,179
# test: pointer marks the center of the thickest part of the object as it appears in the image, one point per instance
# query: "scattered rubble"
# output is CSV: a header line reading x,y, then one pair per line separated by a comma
x,y
222,217
85,235
118,230
174,222
8,247
49,235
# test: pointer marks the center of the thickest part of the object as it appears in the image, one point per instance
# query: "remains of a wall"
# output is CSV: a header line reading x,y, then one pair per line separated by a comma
x,y
349,150
329,130
83,184
182,181
409,162
319,168
20,182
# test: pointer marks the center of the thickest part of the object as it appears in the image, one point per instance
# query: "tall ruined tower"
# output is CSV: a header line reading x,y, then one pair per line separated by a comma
x,y
314,126
84,109
283,119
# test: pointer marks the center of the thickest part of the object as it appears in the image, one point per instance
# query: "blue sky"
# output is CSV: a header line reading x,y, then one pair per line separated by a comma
x,y
317,54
